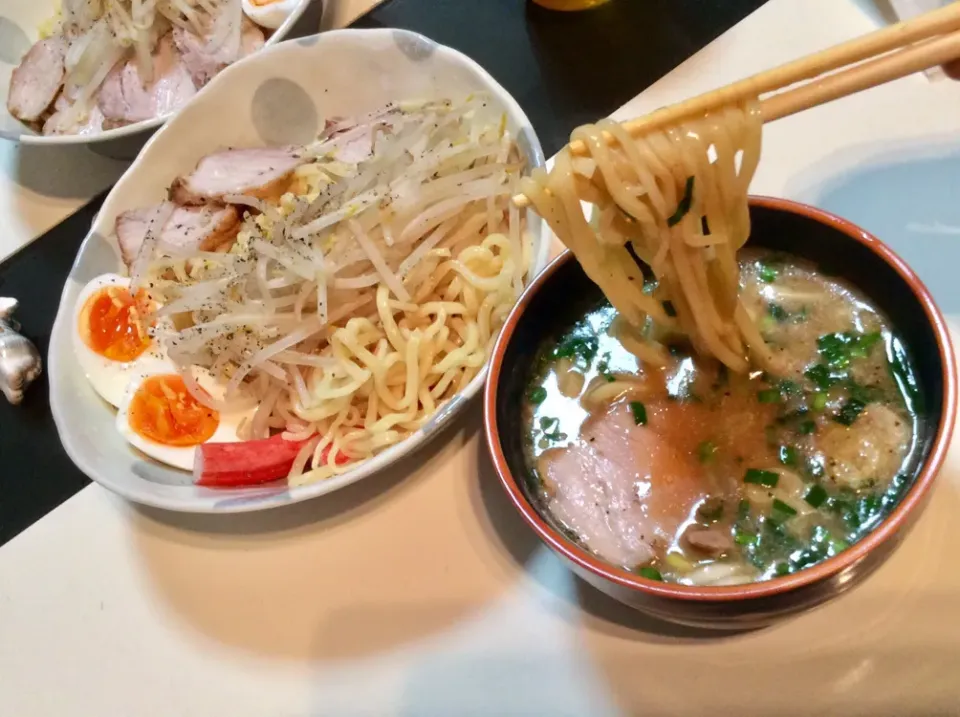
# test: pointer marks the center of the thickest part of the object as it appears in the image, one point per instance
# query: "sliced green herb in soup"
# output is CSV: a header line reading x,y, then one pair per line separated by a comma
x,y
696,475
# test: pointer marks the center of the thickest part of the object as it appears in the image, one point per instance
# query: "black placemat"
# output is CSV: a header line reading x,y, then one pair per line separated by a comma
x,y
568,68
564,69
35,474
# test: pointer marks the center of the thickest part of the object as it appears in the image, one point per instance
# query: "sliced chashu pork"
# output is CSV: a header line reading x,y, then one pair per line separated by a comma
x,y
621,487
262,172
63,121
351,140
348,143
124,98
36,81
207,228
202,62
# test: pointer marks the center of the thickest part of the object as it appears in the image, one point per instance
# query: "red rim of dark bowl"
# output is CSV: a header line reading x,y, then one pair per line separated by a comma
x,y
817,573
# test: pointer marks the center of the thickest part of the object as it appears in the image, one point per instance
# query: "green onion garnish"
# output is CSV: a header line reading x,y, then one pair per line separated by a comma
x,y
759,477
788,455
742,537
820,375
706,451
834,349
838,349
603,368
779,313
837,546
807,427
819,401
860,347
768,274
816,496
650,573
537,395
578,347
769,395
743,509
639,412
783,569
548,423
781,507
683,207
850,411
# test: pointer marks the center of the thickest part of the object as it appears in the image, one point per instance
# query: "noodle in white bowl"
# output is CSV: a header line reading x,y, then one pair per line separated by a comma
x,y
385,72
359,294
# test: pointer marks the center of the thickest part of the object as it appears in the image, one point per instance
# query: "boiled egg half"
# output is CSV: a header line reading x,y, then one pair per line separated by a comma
x,y
159,416
110,334
270,14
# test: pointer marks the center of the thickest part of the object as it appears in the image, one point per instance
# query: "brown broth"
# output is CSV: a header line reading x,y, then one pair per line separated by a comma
x,y
695,475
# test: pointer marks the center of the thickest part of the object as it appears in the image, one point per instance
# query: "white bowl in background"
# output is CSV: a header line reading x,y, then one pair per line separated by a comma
x,y
279,96
20,21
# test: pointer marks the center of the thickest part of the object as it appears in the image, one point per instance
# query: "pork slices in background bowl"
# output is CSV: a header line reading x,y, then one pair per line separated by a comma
x,y
107,73
262,107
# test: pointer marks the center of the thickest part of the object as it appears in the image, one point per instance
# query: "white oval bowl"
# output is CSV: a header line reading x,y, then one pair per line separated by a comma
x,y
19,29
384,66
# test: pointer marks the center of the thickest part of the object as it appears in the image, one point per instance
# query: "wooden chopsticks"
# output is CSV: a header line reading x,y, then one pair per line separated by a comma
x,y
892,66
888,54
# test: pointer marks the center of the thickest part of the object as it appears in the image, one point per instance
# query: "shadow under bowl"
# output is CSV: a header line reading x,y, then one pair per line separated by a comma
x,y
839,249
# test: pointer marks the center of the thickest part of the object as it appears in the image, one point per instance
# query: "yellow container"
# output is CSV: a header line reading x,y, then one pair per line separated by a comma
x,y
570,4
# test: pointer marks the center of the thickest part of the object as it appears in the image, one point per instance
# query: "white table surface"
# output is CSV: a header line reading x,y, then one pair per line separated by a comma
x,y
419,592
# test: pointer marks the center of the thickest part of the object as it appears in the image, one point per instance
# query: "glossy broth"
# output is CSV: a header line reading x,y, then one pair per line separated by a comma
x,y
694,475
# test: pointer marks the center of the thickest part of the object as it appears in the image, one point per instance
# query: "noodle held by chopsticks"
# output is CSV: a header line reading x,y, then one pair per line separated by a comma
x,y
675,199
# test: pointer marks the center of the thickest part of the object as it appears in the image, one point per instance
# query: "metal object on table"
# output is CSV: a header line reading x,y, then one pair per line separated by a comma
x,y
20,362
570,4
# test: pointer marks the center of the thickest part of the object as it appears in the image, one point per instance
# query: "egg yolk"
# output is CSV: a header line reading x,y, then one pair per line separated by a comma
x,y
163,411
111,323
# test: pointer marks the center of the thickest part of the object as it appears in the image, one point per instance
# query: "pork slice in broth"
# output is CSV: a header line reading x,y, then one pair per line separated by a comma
x,y
621,487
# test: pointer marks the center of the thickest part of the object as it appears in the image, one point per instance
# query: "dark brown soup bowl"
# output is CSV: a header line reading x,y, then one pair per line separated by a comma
x,y
838,248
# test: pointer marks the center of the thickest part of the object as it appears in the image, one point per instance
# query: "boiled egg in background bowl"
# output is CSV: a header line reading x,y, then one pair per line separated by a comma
x,y
128,368
110,334
269,13
159,416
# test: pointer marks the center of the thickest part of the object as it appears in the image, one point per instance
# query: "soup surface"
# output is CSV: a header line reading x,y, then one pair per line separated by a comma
x,y
695,475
